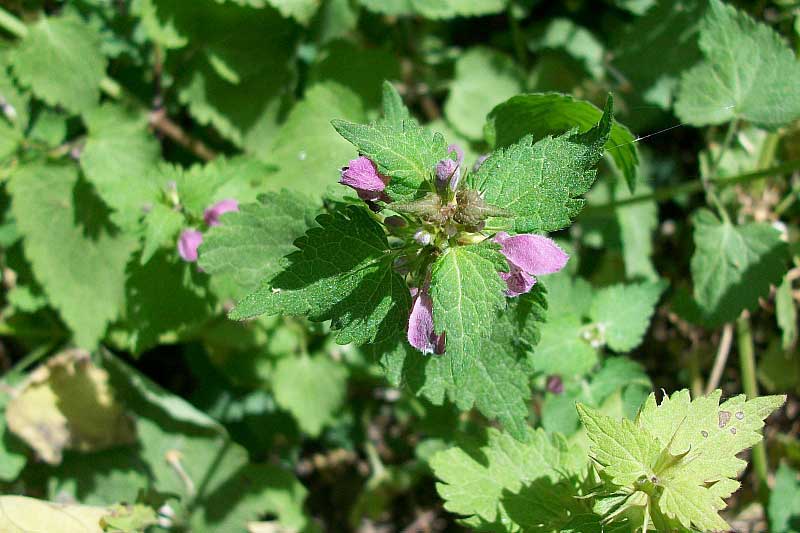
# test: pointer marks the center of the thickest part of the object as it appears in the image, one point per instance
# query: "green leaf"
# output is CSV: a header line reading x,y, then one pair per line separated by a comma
x,y
300,10
312,388
467,294
543,114
483,79
680,455
225,84
540,183
624,451
492,482
563,350
250,245
162,225
404,151
356,68
749,73
623,312
307,151
436,9
175,436
575,40
129,518
341,272
733,266
118,158
149,316
394,110
784,501
58,214
60,60
655,49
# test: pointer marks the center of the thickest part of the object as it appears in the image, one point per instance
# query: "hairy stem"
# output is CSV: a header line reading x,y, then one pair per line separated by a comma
x,y
747,364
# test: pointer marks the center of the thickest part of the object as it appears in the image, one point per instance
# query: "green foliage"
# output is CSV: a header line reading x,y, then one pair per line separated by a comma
x,y
540,182
544,114
622,313
784,505
680,455
60,214
733,266
342,271
747,74
60,60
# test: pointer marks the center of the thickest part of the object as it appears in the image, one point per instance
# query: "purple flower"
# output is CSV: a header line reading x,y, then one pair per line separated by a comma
x,y
448,171
555,384
212,214
528,256
421,334
188,243
362,175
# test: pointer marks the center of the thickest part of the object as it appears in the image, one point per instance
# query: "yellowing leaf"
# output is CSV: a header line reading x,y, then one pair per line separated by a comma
x,y
19,514
67,404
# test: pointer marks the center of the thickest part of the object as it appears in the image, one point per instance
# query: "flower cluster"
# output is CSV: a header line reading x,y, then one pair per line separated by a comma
x,y
452,216
190,239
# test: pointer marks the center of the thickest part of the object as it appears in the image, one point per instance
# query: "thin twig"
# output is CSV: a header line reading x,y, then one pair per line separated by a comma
x,y
721,359
162,123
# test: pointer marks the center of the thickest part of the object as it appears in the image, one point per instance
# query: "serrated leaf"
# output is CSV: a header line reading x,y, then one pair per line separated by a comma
x,y
683,450
543,114
483,79
405,152
162,225
749,73
312,388
733,266
341,272
394,110
307,150
250,245
784,501
467,294
67,404
58,214
60,60
540,183
623,312
624,451
118,158
490,484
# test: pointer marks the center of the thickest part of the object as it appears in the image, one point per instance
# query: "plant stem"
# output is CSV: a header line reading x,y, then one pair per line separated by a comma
x,y
722,357
747,364
708,184
12,24
696,186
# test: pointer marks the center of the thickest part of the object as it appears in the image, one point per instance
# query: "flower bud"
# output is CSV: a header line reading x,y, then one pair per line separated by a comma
x,y
212,214
423,238
188,243
448,174
555,384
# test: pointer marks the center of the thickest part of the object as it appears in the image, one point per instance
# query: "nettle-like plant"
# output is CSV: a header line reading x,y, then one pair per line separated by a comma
x,y
434,265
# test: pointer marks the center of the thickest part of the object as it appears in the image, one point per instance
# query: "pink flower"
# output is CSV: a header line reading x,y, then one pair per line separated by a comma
x,y
448,171
188,243
421,334
211,215
362,175
528,256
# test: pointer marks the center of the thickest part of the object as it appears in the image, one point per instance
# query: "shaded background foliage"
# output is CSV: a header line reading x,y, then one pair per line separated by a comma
x,y
124,120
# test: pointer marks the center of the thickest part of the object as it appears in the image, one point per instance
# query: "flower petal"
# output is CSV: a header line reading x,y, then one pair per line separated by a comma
x,y
188,243
212,214
534,254
362,175
518,281
421,334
